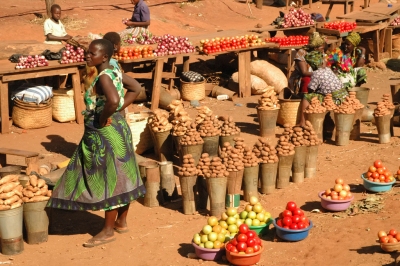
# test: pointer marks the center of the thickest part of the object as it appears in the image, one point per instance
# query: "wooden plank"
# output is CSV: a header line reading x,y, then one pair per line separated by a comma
x,y
78,99
32,165
155,97
40,73
332,32
148,75
368,27
186,63
6,67
388,42
15,152
4,113
365,16
3,160
382,34
376,45
382,8
151,59
244,74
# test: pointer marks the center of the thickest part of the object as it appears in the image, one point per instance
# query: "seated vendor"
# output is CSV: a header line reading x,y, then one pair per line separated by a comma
x,y
139,23
323,81
348,61
54,30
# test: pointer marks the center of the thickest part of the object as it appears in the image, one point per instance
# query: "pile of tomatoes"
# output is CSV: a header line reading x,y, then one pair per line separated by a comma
x,y
297,40
134,53
216,45
340,191
378,173
292,218
245,242
391,237
341,26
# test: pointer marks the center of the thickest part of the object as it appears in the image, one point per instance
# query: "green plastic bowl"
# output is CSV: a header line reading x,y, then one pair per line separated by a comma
x,y
261,229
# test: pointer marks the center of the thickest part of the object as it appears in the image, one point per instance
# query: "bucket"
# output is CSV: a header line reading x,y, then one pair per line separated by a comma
x,y
361,94
223,139
284,170
267,174
188,185
12,242
234,183
356,131
395,90
310,168
167,179
299,162
267,122
210,146
317,121
36,222
163,145
217,192
153,196
250,182
152,172
194,150
167,96
10,170
344,124
217,90
142,168
23,180
176,145
201,196
383,125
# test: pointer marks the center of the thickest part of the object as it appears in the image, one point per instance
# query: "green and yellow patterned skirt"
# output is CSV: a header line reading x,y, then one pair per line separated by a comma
x,y
338,96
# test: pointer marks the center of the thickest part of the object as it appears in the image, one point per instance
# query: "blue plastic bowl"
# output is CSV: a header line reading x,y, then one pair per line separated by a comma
x,y
292,235
376,187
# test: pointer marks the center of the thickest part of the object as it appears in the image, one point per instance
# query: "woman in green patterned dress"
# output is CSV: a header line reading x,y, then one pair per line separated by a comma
x,y
102,173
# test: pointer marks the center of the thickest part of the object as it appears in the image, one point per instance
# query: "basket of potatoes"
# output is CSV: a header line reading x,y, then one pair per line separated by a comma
x,y
382,116
315,113
344,117
310,167
229,130
286,153
267,112
180,121
191,143
251,172
161,131
209,128
187,179
232,157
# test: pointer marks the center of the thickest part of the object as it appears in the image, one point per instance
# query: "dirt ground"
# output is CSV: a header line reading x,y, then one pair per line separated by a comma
x,y
162,235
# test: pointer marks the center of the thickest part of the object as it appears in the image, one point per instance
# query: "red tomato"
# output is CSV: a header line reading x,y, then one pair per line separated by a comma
x,y
398,236
251,242
301,225
372,169
251,234
295,219
286,227
243,228
234,250
393,232
287,221
241,246
291,206
293,226
375,175
279,223
228,246
298,212
234,242
380,171
258,240
382,177
257,248
249,250
287,213
241,238
378,164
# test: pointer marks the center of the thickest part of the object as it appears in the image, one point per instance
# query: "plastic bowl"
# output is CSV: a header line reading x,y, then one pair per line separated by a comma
x,y
390,247
376,187
261,229
244,259
334,205
207,253
292,235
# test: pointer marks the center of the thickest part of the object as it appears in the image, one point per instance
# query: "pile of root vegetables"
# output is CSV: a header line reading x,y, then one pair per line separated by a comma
x,y
297,18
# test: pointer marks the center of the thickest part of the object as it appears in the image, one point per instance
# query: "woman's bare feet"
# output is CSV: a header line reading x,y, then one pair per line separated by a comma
x,y
104,237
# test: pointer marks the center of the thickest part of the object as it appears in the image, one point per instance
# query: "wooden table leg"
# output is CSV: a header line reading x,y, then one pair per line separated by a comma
x,y
3,160
78,101
376,45
329,10
289,63
346,7
387,47
32,164
4,112
244,74
155,96
287,4
186,63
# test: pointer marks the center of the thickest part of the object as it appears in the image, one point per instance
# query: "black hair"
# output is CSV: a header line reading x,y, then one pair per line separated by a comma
x,y
113,37
106,46
54,7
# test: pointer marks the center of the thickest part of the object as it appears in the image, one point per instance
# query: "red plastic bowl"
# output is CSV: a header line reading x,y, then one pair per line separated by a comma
x,y
335,205
208,253
244,259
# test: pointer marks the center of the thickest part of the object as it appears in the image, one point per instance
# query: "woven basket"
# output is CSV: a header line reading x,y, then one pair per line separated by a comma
x,y
288,111
191,91
63,105
141,135
30,115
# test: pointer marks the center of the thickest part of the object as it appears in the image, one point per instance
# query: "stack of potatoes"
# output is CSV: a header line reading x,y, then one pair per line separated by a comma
x,y
36,190
345,108
232,158
191,136
328,103
352,100
268,101
298,138
239,144
249,157
10,192
285,146
265,151
209,125
315,107
381,110
159,121
213,168
389,104
179,118
310,136
228,127
188,168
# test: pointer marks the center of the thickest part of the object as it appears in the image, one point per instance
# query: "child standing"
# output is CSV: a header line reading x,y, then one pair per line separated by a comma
x,y
54,30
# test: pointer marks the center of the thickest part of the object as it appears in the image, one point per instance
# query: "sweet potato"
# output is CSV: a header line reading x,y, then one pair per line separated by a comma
x,y
11,200
7,195
38,193
49,193
17,192
8,178
25,199
33,180
28,193
8,187
39,198
33,189
41,183
15,205
4,207
19,188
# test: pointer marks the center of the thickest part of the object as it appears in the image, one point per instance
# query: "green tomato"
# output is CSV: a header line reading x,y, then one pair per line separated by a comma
x,y
209,244
197,239
212,236
243,214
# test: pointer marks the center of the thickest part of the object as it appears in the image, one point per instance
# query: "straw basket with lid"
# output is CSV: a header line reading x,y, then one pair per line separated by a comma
x,y
193,86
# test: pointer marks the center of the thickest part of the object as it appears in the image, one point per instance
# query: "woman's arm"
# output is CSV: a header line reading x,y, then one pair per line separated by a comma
x,y
360,53
106,86
303,67
133,89
51,37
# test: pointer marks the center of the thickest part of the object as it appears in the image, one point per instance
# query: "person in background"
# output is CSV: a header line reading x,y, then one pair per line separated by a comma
x,y
54,30
102,173
348,61
139,22
323,81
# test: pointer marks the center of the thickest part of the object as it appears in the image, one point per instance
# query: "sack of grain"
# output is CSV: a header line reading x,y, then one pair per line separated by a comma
x,y
272,75
258,85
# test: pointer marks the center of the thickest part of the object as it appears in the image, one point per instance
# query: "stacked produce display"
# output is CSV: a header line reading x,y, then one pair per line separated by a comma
x,y
296,40
211,168
250,159
378,173
72,54
265,151
340,191
232,157
328,103
136,52
292,218
254,213
296,18
268,101
191,136
212,235
285,145
179,118
32,62
392,236
188,166
159,121
315,107
395,22
36,190
208,123
221,44
10,192
172,45
341,26
228,126
246,242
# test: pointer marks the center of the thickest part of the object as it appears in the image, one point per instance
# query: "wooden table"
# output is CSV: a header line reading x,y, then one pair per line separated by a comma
x,y
8,73
373,14
157,74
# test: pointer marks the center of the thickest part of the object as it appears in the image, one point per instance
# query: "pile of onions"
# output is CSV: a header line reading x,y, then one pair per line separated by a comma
x,y
31,61
297,18
395,22
171,45
72,55
142,39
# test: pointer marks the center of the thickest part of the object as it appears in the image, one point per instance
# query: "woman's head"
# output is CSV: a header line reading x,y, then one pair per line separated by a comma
x,y
99,52
316,43
115,39
135,1
314,59
55,12
351,42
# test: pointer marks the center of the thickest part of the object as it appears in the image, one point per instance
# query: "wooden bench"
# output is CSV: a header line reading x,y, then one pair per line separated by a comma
x,y
346,4
31,158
